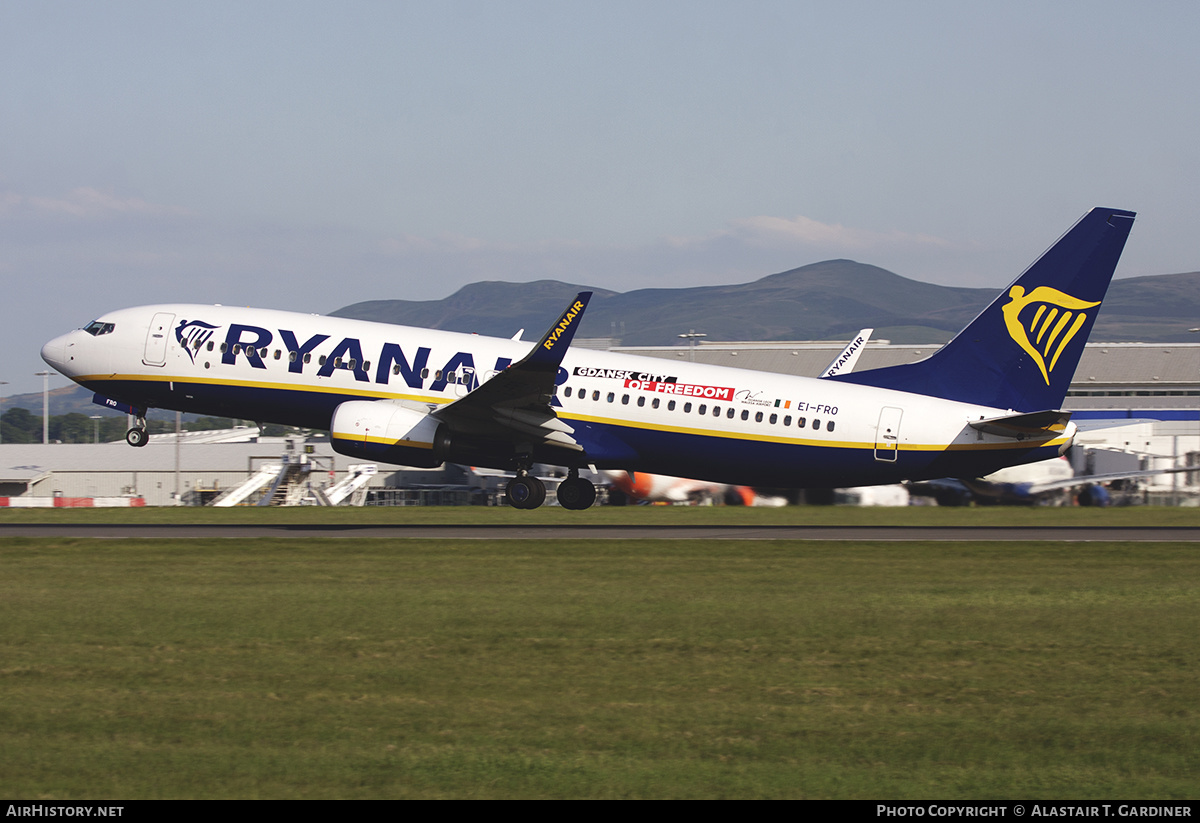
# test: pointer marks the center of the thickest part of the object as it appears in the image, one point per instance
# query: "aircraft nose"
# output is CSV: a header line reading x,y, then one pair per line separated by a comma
x,y
55,352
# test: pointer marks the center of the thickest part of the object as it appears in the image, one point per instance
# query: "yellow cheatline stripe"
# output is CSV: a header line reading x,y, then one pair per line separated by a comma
x,y
294,387
796,441
606,421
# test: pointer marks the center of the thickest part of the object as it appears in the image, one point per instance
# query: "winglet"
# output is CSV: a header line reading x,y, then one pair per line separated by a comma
x,y
551,349
844,362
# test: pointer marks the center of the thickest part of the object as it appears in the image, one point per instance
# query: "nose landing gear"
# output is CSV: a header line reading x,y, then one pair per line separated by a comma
x,y
137,436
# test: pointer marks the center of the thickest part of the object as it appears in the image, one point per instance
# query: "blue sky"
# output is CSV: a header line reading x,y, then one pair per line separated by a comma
x,y
306,155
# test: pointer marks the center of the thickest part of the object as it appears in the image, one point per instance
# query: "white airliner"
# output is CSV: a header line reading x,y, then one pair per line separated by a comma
x,y
989,398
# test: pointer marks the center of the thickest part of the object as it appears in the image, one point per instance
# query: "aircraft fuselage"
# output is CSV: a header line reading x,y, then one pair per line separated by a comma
x,y
634,413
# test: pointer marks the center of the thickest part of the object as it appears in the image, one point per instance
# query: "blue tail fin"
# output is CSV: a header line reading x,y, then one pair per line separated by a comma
x,y
1020,353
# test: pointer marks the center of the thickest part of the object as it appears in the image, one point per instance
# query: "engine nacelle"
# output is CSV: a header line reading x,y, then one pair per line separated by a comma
x,y
390,433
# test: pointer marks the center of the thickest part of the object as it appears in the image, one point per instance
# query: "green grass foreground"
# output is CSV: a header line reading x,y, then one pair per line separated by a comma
x,y
680,669
623,515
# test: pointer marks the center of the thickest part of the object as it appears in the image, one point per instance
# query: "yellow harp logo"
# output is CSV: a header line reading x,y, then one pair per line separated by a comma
x,y
1045,331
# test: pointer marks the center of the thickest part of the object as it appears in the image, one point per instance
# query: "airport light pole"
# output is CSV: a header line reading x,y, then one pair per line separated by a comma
x,y
691,336
45,375
96,428
2,383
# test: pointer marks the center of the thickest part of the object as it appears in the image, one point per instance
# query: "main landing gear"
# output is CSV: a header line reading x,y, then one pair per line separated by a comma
x,y
575,492
527,492
137,435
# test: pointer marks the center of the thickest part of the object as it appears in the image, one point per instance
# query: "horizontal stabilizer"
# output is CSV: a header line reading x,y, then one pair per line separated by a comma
x,y
1031,426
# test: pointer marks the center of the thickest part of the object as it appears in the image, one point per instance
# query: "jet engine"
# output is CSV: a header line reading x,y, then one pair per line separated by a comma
x,y
389,432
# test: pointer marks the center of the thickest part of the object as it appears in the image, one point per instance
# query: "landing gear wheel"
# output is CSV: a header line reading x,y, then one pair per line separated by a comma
x,y
576,493
525,492
137,437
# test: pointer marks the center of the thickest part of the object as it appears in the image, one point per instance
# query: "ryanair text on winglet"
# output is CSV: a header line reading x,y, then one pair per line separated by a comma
x,y
563,324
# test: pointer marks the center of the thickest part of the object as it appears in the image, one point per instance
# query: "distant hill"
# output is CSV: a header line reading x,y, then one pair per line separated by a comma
x,y
823,301
829,300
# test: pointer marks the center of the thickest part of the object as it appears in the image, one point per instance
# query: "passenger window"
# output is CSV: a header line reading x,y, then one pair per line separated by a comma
x,y
816,424
670,405
654,403
566,391
745,414
641,401
424,372
451,377
774,418
716,411
758,417
308,357
787,420
687,408
800,422
321,360
624,400
611,397
829,426
396,368
292,356
210,346
596,396
702,410
730,412
278,354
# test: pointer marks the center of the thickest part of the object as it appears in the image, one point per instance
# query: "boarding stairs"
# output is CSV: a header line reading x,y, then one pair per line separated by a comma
x,y
237,495
351,490
290,486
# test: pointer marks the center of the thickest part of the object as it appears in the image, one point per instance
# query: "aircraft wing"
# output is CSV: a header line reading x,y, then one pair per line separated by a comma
x,y
517,400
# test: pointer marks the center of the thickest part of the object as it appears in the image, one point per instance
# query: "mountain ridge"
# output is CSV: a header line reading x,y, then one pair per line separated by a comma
x,y
831,299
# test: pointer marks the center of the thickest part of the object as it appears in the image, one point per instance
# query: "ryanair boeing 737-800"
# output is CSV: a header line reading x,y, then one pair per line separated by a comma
x,y
989,398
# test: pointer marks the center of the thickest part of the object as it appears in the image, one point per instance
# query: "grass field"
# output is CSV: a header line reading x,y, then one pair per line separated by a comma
x,y
374,668
627,515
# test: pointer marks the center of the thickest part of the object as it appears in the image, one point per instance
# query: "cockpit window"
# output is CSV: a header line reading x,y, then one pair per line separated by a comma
x,y
96,328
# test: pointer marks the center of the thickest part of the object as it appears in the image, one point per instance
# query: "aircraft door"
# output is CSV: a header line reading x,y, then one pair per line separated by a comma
x,y
156,339
887,436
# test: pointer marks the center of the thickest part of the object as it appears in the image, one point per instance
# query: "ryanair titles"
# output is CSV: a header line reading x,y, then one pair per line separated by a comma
x,y
563,325
253,344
